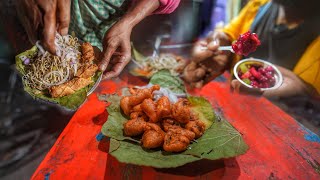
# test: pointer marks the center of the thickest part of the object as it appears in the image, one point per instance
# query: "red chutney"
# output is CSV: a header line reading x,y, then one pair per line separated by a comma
x,y
246,44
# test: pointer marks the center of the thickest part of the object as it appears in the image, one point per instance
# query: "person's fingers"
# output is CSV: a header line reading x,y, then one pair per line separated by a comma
x,y
221,62
223,38
121,62
238,87
213,45
108,51
63,16
49,30
118,67
199,73
200,51
235,85
191,66
196,75
198,84
193,72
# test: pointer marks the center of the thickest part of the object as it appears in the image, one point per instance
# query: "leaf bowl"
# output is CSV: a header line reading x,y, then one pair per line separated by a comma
x,y
70,102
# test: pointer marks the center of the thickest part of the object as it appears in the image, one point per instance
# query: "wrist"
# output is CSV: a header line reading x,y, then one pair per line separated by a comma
x,y
139,10
125,23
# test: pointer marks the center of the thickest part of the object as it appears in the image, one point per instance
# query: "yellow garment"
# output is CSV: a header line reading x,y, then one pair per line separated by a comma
x,y
307,68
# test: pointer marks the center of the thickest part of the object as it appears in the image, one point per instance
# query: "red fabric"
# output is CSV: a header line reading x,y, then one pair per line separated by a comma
x,y
167,6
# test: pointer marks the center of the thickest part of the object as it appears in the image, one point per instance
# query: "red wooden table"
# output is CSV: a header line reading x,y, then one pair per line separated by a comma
x,y
279,147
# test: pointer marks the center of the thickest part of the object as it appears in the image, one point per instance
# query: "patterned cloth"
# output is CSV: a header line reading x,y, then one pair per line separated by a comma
x,y
90,19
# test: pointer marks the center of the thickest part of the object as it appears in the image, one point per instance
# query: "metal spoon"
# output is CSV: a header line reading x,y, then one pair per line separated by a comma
x,y
221,48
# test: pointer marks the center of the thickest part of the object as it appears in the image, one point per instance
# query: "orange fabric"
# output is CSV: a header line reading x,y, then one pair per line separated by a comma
x,y
308,67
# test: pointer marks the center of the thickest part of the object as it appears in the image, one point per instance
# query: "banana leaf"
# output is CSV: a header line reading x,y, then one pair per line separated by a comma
x,y
71,102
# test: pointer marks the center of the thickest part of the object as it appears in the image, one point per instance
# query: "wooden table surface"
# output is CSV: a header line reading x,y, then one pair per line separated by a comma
x,y
279,147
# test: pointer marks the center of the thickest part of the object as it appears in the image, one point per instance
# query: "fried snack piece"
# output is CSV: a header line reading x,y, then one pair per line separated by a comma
x,y
69,87
125,105
134,127
181,111
139,114
177,139
87,70
137,108
198,127
169,124
149,108
153,137
87,53
128,102
133,91
158,110
163,107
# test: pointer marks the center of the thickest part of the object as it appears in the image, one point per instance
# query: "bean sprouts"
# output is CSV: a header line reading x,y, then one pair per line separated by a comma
x,y
164,61
46,70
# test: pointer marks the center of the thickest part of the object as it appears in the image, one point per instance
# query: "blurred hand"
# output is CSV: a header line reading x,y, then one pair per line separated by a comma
x,y
292,85
43,18
116,50
207,64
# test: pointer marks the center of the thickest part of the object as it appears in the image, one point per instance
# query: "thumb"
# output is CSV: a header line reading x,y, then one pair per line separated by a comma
x,y
238,87
213,45
235,85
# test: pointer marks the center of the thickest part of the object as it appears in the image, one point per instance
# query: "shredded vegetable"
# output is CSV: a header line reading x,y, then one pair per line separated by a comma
x,y
173,97
154,64
46,70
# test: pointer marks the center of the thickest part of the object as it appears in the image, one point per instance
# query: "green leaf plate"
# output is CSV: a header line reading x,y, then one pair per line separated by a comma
x,y
70,102
220,140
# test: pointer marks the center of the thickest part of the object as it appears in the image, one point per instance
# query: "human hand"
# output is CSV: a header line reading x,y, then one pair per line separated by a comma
x,y
116,50
208,48
197,74
292,85
207,64
43,18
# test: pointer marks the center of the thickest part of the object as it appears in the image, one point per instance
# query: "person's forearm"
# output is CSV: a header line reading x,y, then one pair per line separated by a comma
x,y
139,10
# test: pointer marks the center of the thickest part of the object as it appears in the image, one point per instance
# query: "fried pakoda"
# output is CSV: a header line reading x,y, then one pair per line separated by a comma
x,y
169,124
87,53
134,127
149,108
153,137
163,107
69,87
198,127
139,114
181,111
137,108
172,126
128,102
87,70
177,139
125,105
158,110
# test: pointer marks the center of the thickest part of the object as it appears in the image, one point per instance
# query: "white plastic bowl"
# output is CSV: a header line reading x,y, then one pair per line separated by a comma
x,y
278,76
